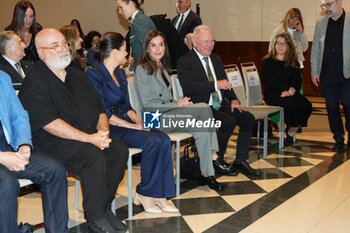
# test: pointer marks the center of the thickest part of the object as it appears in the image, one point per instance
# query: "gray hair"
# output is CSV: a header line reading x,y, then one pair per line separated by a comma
x,y
5,39
199,28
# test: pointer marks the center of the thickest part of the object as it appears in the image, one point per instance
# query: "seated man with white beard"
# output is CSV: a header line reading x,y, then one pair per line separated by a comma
x,y
68,122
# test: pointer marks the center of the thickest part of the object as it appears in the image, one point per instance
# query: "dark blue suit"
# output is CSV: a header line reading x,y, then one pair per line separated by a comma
x,y
191,22
157,179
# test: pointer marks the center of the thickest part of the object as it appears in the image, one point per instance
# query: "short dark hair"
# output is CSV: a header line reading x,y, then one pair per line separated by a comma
x,y
138,3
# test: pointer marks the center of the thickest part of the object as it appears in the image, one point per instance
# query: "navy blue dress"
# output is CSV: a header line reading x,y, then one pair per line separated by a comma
x,y
157,178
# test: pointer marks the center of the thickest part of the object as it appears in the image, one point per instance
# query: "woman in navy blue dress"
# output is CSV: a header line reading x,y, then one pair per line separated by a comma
x,y
157,179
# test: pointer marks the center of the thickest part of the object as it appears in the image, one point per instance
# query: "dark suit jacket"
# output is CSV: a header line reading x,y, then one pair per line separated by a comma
x,y
176,44
192,20
8,68
194,81
140,27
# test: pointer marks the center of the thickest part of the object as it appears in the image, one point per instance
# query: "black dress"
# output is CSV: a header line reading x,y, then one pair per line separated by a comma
x,y
279,78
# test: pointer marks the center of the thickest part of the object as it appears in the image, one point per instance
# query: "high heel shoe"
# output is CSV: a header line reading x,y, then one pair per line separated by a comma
x,y
153,209
169,207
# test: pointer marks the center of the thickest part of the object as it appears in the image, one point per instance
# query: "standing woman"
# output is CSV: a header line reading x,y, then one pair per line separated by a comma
x,y
25,25
71,34
139,27
294,25
157,178
280,69
76,24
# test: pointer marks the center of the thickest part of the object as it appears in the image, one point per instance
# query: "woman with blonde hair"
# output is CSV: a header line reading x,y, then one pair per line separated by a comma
x,y
293,24
71,34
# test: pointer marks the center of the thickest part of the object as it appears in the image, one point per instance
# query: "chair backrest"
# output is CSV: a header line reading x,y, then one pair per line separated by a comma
x,y
252,84
235,78
177,89
134,99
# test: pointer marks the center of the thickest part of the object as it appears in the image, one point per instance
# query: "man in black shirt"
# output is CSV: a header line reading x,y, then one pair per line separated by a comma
x,y
330,66
68,122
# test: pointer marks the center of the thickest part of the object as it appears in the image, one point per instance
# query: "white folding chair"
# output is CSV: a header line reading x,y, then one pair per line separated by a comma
x,y
259,112
132,151
255,100
174,137
177,89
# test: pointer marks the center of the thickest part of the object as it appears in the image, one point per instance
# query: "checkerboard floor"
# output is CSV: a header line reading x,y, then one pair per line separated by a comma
x,y
246,199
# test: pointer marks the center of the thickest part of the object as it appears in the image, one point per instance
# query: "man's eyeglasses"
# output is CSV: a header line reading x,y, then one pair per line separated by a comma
x,y
328,4
57,47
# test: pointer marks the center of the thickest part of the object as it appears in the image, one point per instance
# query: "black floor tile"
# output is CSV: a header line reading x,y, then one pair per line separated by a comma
x,y
207,205
271,173
122,212
241,187
157,225
288,162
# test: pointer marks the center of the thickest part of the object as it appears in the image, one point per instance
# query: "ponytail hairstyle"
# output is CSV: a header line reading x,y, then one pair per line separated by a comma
x,y
108,42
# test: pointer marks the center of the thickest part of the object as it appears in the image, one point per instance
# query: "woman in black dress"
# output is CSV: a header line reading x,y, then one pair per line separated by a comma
x,y
25,25
281,72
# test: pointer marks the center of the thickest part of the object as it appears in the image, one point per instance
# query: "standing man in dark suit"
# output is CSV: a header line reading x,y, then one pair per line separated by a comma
x,y
12,52
186,21
330,66
203,70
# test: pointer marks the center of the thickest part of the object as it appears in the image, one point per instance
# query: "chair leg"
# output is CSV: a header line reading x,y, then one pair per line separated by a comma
x,y
113,207
258,134
265,136
281,144
76,192
177,168
130,187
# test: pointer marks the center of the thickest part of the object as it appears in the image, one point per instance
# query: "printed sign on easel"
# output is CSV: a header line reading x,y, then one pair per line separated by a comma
x,y
234,77
253,78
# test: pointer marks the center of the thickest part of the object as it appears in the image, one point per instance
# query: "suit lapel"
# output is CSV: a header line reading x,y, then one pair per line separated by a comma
x,y
199,67
8,68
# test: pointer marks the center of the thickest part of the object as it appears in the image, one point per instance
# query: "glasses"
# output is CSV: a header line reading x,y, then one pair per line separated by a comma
x,y
328,4
283,44
58,47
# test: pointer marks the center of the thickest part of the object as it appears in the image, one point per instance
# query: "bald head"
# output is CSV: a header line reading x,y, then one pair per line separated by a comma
x,y
52,48
47,36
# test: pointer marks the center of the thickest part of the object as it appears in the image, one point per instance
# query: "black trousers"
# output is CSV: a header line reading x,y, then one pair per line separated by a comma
x,y
100,172
335,94
229,120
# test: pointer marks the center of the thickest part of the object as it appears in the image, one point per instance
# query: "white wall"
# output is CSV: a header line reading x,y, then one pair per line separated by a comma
x,y
231,20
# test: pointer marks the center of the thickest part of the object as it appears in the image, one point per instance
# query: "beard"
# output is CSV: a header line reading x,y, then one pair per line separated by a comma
x,y
329,13
59,62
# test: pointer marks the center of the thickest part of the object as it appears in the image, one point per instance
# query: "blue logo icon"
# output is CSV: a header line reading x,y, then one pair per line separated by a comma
x,y
151,119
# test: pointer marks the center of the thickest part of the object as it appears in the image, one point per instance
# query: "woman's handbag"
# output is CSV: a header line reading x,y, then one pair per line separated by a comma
x,y
189,163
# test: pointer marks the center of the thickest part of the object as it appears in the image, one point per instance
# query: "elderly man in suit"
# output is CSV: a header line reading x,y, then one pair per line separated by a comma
x,y
203,70
12,52
330,66
186,21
